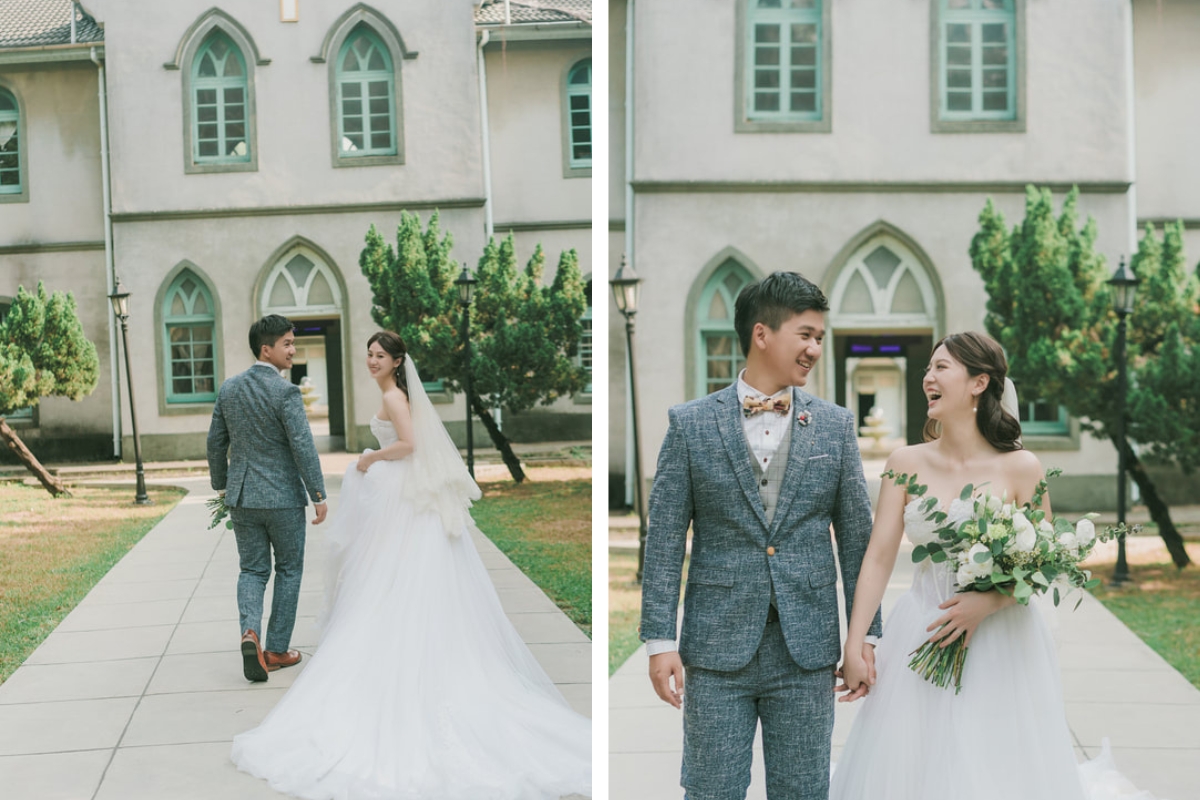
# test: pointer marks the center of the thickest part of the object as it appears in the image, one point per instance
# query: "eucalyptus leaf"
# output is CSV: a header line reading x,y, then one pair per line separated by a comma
x,y
966,492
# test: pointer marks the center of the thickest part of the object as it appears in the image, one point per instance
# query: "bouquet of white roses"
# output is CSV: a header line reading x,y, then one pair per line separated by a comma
x,y
1016,550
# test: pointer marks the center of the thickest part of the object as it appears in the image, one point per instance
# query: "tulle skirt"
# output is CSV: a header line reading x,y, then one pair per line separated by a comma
x,y
1004,736
420,686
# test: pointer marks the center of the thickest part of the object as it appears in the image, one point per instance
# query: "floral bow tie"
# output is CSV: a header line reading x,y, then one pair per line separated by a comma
x,y
780,405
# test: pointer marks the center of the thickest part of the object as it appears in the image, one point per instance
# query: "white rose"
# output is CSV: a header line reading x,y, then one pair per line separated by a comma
x,y
1026,536
1068,541
994,505
979,569
1046,528
965,577
1085,531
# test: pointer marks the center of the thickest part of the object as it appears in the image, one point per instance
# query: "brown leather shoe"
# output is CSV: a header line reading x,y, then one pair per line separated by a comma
x,y
279,660
254,666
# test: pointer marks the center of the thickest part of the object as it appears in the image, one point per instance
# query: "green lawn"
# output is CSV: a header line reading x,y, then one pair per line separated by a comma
x,y
1162,606
545,528
53,551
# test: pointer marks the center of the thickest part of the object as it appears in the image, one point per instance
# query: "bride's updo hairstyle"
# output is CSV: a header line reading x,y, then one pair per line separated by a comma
x,y
394,346
982,355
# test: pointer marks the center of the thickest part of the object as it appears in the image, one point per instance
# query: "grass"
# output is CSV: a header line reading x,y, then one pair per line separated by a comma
x,y
53,551
624,606
1161,606
545,528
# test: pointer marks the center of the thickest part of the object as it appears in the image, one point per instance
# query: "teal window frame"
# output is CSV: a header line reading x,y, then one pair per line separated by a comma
x,y
179,352
12,156
763,78
1030,410
579,115
727,281
365,80
974,19
225,111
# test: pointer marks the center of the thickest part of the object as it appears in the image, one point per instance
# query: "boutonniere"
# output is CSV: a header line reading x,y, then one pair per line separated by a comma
x,y
803,417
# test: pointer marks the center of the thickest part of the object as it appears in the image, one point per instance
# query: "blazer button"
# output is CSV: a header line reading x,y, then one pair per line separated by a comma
x,y
764,481
771,551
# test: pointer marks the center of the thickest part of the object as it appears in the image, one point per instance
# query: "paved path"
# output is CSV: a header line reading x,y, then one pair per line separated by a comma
x,y
139,692
1115,687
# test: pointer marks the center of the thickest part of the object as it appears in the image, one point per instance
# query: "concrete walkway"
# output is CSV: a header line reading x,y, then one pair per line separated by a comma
x,y
1115,687
139,692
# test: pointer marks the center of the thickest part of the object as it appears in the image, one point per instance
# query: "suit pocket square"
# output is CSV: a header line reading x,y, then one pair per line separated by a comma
x,y
815,458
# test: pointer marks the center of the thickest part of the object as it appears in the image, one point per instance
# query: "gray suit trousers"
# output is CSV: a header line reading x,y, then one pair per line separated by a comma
x,y
721,714
258,532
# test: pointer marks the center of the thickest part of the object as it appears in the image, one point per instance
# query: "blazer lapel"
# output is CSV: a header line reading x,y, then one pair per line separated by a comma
x,y
733,435
802,440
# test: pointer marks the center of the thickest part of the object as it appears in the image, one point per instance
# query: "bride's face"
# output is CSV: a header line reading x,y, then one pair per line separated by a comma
x,y
379,362
949,388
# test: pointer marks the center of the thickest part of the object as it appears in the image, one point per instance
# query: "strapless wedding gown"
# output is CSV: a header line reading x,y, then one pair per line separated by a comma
x,y
1004,736
420,689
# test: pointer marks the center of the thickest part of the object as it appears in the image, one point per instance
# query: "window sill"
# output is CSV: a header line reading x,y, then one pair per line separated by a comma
x,y
340,161
783,126
978,126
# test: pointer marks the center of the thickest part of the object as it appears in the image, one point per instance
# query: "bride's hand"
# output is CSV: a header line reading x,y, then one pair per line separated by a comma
x,y
964,612
855,673
365,461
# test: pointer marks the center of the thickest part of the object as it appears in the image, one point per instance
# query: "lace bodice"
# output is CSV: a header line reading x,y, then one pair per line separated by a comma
x,y
383,431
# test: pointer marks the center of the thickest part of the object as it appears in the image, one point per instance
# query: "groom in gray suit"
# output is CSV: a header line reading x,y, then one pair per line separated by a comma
x,y
759,470
261,456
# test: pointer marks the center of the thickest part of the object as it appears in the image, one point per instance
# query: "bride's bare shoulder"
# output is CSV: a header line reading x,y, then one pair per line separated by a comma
x,y
910,458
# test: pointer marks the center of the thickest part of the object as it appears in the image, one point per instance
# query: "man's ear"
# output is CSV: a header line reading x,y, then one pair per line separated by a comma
x,y
758,336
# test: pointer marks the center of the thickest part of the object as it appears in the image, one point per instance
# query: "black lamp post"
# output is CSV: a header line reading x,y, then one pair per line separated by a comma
x,y
625,293
466,293
120,304
1124,284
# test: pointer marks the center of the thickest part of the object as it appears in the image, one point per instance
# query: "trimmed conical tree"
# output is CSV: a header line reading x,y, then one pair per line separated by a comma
x,y
524,335
1050,307
43,353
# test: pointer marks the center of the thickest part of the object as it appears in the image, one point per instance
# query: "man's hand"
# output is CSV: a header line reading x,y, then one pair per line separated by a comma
x,y
321,509
664,667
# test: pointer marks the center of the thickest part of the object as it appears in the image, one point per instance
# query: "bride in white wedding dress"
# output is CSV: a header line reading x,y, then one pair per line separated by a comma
x,y
1005,735
420,688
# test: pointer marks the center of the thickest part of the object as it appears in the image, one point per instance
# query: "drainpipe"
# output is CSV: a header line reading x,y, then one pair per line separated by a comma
x,y
1131,135
507,13
629,218
484,38
109,268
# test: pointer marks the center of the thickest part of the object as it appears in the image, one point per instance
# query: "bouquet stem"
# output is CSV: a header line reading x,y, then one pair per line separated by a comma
x,y
939,665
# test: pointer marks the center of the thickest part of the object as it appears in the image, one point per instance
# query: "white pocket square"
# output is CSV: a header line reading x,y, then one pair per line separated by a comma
x,y
814,458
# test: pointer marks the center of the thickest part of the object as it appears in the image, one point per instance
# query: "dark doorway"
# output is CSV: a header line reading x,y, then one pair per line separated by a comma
x,y
330,330
915,349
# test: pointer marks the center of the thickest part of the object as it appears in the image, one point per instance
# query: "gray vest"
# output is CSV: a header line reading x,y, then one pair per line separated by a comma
x,y
769,481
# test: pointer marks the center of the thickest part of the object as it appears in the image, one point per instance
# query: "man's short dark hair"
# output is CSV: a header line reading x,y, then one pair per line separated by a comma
x,y
268,330
772,301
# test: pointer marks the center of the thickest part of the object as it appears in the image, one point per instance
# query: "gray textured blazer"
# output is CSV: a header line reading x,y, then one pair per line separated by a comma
x,y
260,448
705,480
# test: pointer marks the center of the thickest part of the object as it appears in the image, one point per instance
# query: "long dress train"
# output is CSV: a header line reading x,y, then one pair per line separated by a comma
x,y
420,686
1004,736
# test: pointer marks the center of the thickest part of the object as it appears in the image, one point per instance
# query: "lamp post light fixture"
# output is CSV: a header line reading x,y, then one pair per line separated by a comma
x,y
1124,284
466,293
625,288
120,304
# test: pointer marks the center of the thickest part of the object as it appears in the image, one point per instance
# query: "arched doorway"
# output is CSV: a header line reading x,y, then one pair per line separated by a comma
x,y
301,284
885,313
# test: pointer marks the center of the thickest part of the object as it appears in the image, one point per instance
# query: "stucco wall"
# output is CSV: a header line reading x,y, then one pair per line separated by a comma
x,y
61,114
1074,77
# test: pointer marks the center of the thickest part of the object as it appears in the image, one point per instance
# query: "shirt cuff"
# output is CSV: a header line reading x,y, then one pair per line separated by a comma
x,y
871,640
655,647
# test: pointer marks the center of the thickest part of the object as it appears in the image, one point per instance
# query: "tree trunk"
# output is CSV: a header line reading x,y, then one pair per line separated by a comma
x,y
499,439
53,485
1159,511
